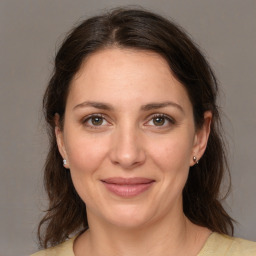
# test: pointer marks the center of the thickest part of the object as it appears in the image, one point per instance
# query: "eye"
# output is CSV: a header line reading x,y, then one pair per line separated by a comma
x,y
160,120
95,121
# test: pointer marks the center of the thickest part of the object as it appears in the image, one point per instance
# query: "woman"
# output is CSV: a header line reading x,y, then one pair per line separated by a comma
x,y
136,156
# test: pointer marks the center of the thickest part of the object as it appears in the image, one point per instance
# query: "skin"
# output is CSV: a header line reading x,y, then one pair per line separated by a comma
x,y
130,137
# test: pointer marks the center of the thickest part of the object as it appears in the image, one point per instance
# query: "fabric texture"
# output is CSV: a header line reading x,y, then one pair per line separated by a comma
x,y
223,245
216,245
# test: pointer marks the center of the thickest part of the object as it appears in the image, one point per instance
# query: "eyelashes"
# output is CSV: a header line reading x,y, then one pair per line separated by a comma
x,y
95,121
99,121
160,120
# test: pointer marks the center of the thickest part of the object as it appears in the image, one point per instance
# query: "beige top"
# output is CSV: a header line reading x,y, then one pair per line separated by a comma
x,y
216,245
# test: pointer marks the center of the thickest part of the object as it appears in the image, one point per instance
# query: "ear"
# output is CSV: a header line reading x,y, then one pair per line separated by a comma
x,y
60,139
201,138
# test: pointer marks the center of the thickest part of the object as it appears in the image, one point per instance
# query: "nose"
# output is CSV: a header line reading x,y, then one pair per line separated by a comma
x,y
127,150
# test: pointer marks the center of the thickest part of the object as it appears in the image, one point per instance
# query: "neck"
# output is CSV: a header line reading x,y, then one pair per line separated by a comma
x,y
177,237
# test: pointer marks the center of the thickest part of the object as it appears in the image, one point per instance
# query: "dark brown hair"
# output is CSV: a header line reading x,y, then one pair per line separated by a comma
x,y
142,30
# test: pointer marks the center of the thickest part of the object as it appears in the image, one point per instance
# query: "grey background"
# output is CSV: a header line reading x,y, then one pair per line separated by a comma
x,y
31,30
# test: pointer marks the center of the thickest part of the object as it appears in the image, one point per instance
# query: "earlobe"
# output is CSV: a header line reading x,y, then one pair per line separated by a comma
x,y
60,140
201,138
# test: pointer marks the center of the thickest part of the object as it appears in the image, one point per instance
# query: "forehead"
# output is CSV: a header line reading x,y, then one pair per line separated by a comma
x,y
126,75
123,61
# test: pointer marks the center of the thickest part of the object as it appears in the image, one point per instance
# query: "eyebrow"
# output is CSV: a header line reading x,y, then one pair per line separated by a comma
x,y
151,106
94,104
147,107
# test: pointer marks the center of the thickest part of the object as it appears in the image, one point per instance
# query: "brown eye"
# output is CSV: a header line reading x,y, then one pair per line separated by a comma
x,y
97,120
159,121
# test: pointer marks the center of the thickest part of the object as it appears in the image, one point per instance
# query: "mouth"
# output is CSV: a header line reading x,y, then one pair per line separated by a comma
x,y
127,187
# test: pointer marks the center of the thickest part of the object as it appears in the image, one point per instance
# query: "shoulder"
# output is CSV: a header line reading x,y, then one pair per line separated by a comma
x,y
224,245
63,249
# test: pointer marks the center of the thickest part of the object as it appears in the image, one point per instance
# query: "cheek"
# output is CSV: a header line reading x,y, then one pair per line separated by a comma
x,y
172,154
85,153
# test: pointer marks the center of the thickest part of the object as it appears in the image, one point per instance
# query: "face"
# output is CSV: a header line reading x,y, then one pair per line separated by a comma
x,y
129,137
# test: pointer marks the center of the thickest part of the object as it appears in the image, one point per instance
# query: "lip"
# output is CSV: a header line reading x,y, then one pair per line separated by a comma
x,y
127,187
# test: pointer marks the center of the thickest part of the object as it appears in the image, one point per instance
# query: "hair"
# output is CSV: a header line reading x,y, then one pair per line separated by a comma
x,y
141,30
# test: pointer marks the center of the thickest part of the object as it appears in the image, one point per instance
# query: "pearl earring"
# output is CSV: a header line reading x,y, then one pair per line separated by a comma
x,y
195,160
64,162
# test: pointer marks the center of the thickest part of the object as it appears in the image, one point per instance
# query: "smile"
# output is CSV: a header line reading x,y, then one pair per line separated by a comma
x,y
127,187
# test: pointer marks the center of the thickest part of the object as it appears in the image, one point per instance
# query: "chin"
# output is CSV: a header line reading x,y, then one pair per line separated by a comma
x,y
130,223
128,217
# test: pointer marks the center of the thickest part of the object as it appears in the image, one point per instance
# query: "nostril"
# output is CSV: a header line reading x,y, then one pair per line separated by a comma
x,y
128,162
126,149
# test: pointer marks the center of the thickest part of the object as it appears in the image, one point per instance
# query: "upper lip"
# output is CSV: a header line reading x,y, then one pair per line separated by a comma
x,y
127,181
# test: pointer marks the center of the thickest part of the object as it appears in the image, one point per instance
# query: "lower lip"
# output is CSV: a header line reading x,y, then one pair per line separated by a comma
x,y
127,191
